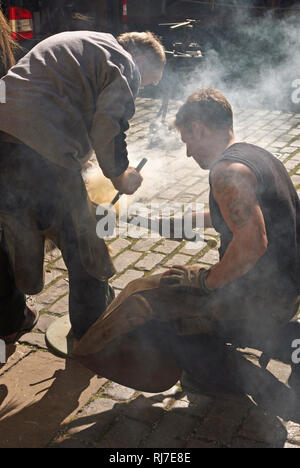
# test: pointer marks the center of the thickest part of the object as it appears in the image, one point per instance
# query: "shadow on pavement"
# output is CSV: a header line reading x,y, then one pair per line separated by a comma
x,y
34,426
146,425
205,419
208,418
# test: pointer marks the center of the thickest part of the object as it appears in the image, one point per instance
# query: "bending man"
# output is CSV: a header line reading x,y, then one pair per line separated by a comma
x,y
72,93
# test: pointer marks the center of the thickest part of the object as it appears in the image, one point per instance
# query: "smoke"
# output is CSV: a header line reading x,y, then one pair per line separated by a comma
x,y
254,61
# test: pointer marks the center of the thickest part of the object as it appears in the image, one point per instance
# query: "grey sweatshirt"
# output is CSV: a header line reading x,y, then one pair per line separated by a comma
x,y
72,93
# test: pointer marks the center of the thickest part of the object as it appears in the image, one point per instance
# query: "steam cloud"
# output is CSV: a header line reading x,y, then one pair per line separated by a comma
x,y
255,62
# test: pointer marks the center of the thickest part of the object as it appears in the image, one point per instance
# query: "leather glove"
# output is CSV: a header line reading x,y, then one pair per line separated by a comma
x,y
190,279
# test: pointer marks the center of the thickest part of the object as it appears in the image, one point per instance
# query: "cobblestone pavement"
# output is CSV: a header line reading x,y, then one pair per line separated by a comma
x,y
47,401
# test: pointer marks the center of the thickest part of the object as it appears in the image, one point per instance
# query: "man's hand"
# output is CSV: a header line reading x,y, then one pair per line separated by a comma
x,y
128,182
173,228
190,279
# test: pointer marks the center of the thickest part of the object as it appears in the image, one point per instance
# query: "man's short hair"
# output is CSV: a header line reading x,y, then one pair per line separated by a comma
x,y
208,105
144,43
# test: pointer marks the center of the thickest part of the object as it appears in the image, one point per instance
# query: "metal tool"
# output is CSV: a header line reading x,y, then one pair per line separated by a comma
x,y
138,169
154,225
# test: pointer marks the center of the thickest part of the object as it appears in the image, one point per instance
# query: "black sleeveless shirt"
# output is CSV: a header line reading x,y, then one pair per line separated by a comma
x,y
278,271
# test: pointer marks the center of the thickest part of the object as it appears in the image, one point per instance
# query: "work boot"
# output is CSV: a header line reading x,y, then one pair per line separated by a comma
x,y
204,360
30,320
211,385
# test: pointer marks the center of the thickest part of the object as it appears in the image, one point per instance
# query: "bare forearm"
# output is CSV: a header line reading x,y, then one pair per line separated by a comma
x,y
237,261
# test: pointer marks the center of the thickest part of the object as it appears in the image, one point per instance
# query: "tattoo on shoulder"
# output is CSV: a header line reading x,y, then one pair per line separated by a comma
x,y
228,187
239,211
223,182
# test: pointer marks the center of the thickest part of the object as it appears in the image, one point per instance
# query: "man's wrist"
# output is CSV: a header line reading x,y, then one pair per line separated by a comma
x,y
207,281
203,281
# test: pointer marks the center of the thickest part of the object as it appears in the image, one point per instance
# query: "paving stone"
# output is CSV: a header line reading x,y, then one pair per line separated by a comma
x,y
34,339
32,302
18,353
126,278
167,246
61,307
126,433
136,232
178,259
211,232
211,257
296,143
47,297
144,245
143,409
293,432
118,245
189,249
264,428
172,431
44,321
280,370
51,275
199,405
159,271
149,262
119,392
93,421
291,446
161,397
291,164
52,255
296,157
189,181
171,193
204,198
289,149
222,421
125,259
197,189
59,264
296,180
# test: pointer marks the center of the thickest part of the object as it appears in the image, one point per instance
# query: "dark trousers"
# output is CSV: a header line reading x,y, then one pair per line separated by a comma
x,y
12,301
39,200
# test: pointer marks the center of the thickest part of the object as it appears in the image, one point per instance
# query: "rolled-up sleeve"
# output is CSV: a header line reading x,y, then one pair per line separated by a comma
x,y
114,107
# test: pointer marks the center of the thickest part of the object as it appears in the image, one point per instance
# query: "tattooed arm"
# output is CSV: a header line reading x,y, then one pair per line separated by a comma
x,y
234,187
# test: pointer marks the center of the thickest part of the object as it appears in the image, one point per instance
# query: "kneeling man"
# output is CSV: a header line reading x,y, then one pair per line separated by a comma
x,y
251,295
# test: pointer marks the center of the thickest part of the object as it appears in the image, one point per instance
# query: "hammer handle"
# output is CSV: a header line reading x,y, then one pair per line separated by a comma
x,y
139,167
